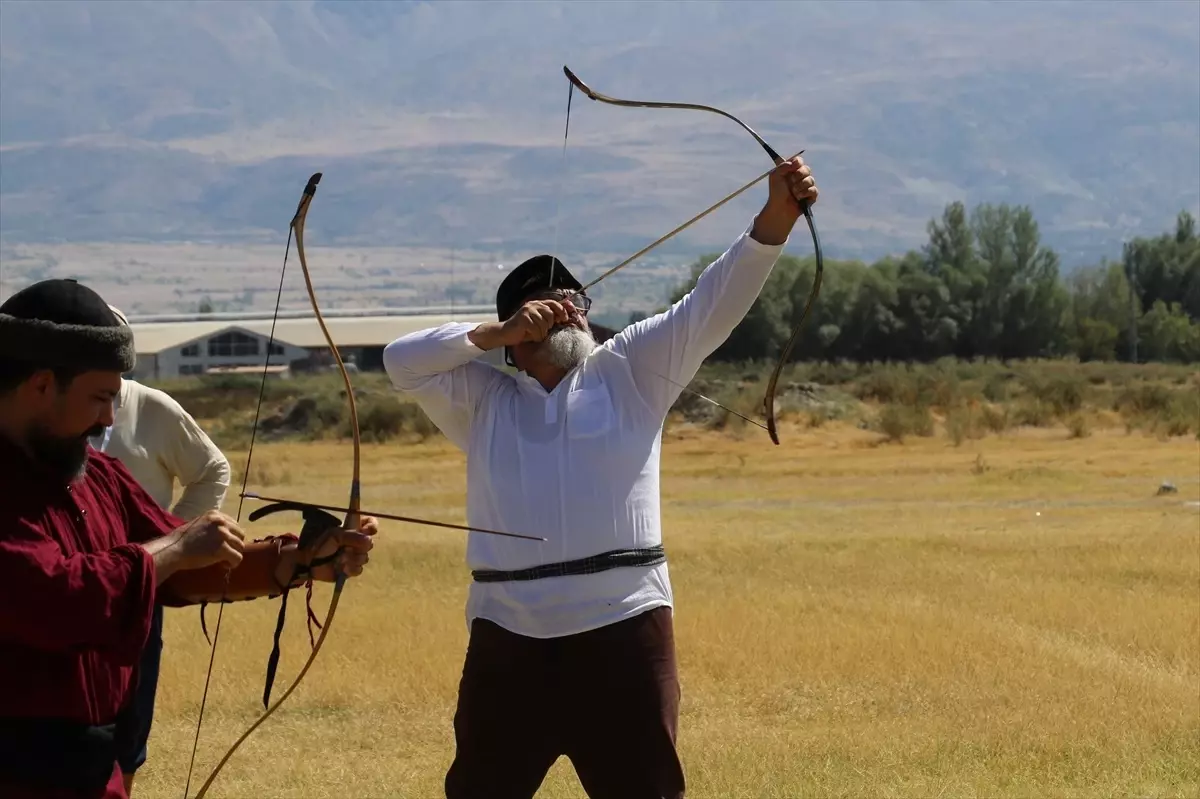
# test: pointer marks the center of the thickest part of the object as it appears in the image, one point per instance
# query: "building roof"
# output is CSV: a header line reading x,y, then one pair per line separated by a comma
x,y
150,338
246,370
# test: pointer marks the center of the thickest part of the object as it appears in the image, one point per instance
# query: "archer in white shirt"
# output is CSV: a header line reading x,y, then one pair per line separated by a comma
x,y
568,449
161,445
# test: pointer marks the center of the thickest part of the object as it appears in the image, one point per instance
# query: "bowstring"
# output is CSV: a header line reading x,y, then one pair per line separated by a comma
x,y
262,389
561,181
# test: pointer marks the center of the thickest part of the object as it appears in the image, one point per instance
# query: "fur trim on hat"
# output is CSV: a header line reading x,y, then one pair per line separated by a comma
x,y
84,347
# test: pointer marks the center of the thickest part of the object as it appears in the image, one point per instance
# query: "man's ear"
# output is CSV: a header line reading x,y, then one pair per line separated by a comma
x,y
41,382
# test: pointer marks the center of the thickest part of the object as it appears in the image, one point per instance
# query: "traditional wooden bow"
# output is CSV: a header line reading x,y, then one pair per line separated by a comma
x,y
805,207
315,535
319,525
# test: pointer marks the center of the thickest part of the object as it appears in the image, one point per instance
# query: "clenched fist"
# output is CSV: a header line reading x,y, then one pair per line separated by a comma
x,y
352,548
210,538
791,184
532,322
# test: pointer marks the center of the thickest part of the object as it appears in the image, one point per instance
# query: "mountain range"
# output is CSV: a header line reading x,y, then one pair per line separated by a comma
x,y
441,125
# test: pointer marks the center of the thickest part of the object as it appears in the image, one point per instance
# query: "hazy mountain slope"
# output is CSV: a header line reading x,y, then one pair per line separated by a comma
x,y
437,122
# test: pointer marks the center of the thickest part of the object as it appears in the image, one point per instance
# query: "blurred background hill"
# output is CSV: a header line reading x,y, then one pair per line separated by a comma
x,y
441,125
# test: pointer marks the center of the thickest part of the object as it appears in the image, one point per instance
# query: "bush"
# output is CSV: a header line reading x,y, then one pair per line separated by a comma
x,y
1063,394
995,419
997,387
1033,413
1158,409
962,423
898,421
1078,426
1143,400
976,397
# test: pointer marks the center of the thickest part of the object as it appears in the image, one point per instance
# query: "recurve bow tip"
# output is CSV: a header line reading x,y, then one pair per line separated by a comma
x,y
771,430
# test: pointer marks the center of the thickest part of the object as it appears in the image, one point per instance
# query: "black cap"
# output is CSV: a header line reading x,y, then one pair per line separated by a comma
x,y
530,277
62,300
61,323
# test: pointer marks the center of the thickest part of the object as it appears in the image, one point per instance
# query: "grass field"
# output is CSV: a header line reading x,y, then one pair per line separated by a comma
x,y
1012,616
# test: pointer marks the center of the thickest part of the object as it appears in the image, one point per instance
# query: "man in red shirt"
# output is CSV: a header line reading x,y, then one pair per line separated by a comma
x,y
85,552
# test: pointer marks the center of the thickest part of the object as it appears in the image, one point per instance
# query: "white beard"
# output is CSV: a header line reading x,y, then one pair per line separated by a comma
x,y
567,347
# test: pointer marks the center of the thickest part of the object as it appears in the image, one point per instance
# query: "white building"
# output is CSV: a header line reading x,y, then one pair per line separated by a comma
x,y
213,343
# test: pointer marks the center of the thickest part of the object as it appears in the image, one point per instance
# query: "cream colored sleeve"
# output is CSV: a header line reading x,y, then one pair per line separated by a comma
x,y
189,455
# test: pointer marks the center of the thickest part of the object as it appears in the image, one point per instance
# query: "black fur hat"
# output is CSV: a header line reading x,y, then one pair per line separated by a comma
x,y
60,323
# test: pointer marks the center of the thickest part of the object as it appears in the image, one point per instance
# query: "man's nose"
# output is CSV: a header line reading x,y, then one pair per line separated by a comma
x,y
107,415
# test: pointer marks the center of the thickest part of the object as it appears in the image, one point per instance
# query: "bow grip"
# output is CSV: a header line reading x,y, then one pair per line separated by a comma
x,y
316,521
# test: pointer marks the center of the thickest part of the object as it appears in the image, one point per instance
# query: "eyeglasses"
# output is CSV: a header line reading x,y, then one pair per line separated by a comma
x,y
582,302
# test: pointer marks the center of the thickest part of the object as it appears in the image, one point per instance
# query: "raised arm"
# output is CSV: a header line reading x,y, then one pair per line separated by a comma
x,y
438,368
674,343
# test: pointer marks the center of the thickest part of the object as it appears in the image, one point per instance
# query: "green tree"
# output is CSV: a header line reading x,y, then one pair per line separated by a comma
x,y
982,286
871,329
1098,314
1167,334
1167,267
825,334
764,329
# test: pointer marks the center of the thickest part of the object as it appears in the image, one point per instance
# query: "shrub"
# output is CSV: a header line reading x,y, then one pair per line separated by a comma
x,y
1062,394
898,421
961,424
1078,426
1033,413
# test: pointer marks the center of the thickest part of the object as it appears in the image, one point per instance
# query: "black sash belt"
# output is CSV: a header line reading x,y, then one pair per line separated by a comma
x,y
57,754
651,556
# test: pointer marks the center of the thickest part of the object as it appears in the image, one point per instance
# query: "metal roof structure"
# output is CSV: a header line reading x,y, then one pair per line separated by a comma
x,y
152,337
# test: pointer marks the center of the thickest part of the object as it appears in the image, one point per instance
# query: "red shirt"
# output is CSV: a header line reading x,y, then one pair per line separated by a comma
x,y
76,594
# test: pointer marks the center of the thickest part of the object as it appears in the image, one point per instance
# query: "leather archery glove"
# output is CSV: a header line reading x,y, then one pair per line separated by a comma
x,y
352,551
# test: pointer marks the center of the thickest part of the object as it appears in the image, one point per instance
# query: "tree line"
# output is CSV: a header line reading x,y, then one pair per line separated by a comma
x,y
983,286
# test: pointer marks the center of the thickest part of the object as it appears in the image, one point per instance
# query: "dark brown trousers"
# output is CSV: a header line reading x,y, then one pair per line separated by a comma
x,y
608,699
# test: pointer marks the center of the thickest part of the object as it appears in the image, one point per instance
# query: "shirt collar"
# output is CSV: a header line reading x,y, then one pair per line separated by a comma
x,y
530,384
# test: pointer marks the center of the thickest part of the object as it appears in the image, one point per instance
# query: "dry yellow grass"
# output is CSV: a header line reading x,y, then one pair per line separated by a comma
x,y
852,620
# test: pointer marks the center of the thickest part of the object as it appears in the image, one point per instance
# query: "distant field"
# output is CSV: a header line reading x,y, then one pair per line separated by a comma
x,y
174,278
1011,615
958,400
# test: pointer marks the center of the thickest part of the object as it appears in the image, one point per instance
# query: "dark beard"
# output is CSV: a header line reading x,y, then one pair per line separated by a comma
x,y
65,457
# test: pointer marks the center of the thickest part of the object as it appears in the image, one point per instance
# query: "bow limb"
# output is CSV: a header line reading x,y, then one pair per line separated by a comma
x,y
805,207
603,98
352,517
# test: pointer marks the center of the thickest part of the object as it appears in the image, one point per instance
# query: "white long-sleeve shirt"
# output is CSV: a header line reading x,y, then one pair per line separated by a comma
x,y
578,465
159,442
